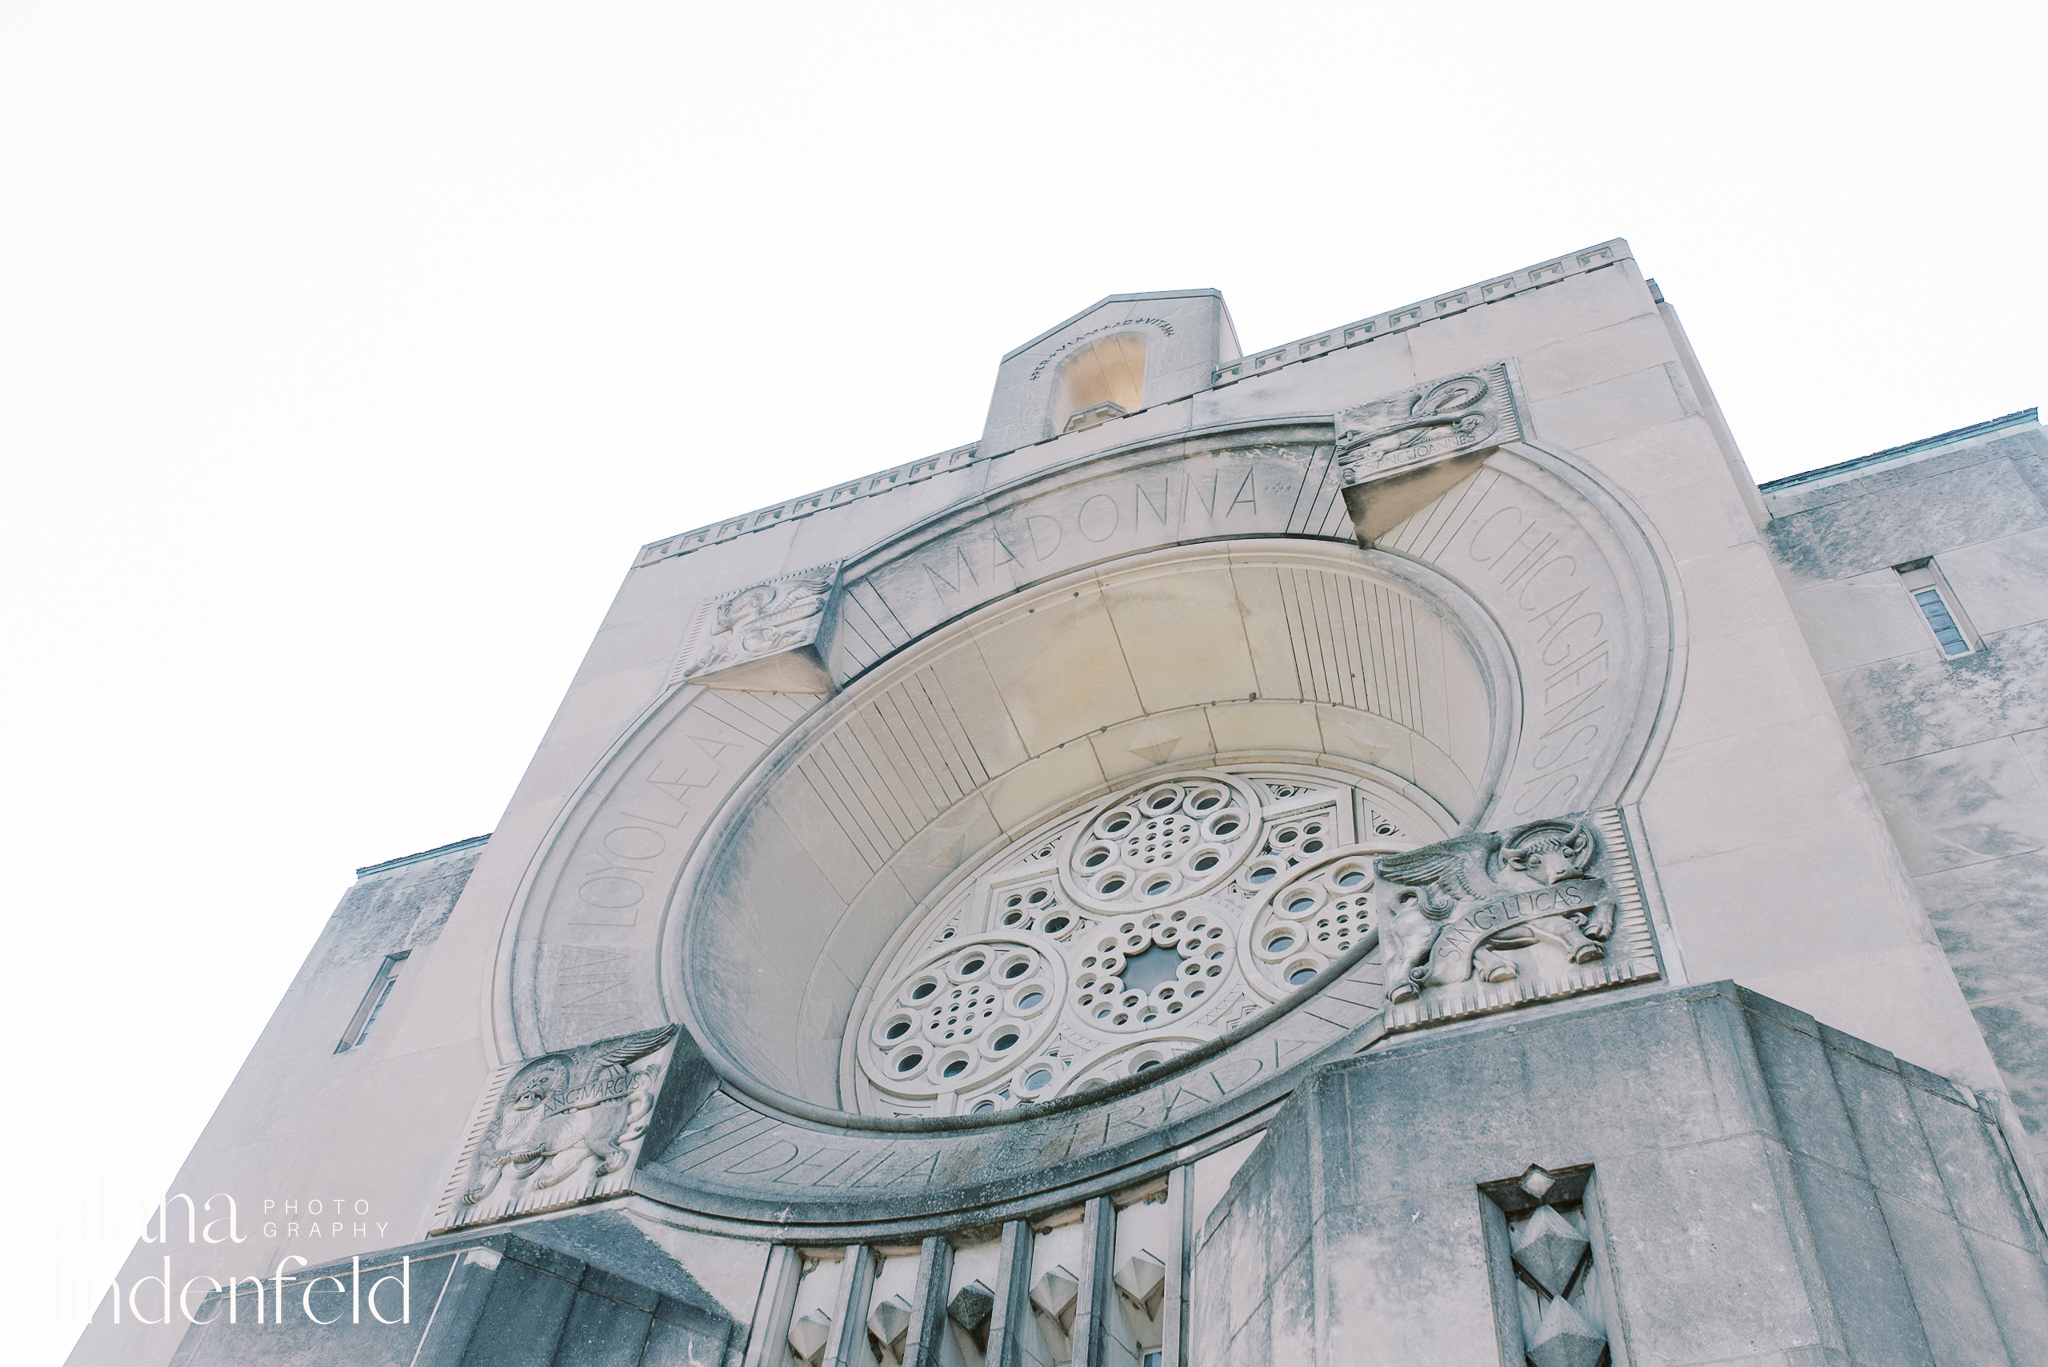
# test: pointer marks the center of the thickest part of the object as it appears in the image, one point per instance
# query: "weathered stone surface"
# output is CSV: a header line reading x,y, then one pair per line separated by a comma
x,y
1563,1338
971,1305
808,1334
1557,594
1722,1242
1549,1249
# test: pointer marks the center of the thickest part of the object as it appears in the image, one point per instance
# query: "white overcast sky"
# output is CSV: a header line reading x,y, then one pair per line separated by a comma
x,y
348,351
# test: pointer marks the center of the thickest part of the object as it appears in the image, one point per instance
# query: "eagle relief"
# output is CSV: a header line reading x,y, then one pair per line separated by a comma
x,y
560,1126
1488,919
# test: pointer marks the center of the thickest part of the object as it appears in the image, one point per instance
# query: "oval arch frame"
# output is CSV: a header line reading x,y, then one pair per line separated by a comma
x,y
1537,481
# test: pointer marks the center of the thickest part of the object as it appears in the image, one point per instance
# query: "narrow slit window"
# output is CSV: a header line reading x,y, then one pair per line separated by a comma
x,y
373,1002
1937,604
1943,621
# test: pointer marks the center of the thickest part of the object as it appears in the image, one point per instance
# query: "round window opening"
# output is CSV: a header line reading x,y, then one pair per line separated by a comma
x,y
1155,919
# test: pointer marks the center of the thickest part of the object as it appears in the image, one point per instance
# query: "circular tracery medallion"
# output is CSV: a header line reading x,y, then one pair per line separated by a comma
x,y
1109,939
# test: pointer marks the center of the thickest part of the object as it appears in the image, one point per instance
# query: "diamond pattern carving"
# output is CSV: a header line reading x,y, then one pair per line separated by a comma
x,y
1556,1300
889,1324
808,1334
1142,1277
1563,1338
1549,1249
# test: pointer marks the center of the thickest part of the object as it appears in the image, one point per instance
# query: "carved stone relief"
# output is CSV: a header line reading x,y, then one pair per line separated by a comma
x,y
1279,483
1105,943
1398,453
581,965
1426,422
764,636
1529,549
1491,919
559,1129
1552,1287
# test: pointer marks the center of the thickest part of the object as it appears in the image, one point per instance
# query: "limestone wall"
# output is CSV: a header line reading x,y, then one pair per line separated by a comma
x,y
1955,749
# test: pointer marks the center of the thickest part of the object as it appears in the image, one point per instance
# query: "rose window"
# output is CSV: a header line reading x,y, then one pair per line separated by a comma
x,y
1107,939
1171,840
1146,970
1313,919
973,1011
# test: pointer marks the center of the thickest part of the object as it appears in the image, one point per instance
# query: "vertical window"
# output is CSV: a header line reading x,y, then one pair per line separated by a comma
x,y
373,1002
1937,604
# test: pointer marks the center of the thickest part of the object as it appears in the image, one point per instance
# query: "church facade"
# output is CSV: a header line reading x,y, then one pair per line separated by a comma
x,y
1388,849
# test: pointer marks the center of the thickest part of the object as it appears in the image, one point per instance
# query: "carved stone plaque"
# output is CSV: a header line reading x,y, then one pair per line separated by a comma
x,y
1493,919
559,1129
764,636
1425,423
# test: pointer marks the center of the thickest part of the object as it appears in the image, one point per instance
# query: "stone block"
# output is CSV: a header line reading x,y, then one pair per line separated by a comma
x,y
1744,682
1837,907
1998,582
604,1332
1153,615
1976,1175
1947,1294
1737,1255
523,1317
1672,455
1589,358
1291,1333
1878,525
1152,741
1859,621
1646,1066
2016,1032
1700,518
1397,1270
1606,410
974,701
1962,806
1048,699
2016,1283
1921,703
1262,725
1804,1095
1880,1107
1782,771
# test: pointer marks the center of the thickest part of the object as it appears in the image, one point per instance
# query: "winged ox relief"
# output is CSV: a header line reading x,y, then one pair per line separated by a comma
x,y
1449,910
580,1111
